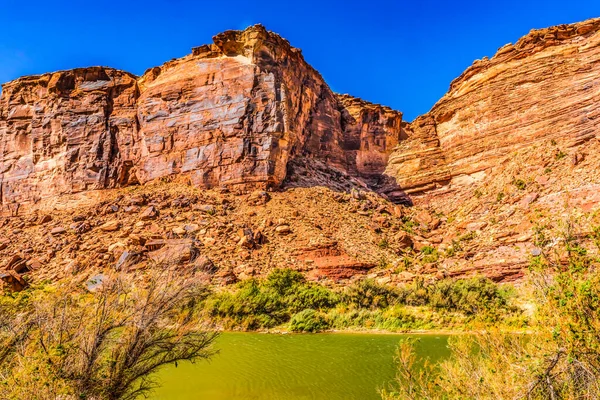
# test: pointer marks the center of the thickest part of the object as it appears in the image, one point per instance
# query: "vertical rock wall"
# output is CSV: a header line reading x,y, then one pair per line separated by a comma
x,y
233,113
65,132
544,87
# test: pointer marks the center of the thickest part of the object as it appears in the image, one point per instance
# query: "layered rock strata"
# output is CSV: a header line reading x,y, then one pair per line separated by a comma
x,y
248,112
544,87
66,132
233,113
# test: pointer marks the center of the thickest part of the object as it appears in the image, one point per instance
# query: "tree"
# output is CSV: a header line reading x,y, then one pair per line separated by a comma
x,y
63,342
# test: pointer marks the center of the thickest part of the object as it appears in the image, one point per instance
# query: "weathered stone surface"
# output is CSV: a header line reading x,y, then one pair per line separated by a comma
x,y
66,132
371,132
511,145
232,113
545,87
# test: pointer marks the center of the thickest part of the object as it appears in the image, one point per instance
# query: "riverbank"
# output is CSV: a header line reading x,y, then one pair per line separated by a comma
x,y
366,331
285,302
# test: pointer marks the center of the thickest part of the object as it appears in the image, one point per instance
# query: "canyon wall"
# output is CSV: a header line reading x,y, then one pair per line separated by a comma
x,y
248,112
66,132
232,113
544,87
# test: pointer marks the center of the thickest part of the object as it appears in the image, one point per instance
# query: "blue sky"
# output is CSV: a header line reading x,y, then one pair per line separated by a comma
x,y
399,53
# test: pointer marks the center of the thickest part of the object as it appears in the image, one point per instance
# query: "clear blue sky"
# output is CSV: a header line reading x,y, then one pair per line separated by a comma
x,y
399,53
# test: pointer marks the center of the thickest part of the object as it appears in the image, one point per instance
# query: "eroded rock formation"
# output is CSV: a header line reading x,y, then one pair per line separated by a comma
x,y
233,113
66,132
544,87
513,145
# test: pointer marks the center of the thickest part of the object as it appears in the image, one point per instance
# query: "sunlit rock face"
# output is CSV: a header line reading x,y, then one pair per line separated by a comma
x,y
248,112
370,133
65,132
544,87
232,113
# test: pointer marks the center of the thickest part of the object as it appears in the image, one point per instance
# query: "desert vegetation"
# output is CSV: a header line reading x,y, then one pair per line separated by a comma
x,y
285,299
558,359
63,342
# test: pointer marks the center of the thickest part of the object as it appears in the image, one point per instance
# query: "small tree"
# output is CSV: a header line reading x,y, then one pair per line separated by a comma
x,y
107,345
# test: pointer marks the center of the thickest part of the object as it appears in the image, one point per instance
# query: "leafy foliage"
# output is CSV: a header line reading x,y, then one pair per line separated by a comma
x,y
559,360
265,304
308,321
284,295
62,342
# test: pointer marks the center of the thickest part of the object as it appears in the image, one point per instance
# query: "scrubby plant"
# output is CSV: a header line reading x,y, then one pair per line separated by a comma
x,y
257,304
308,320
274,301
559,155
63,342
560,359
367,294
429,254
520,184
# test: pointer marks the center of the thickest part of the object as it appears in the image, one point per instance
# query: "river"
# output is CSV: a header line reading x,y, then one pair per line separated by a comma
x,y
254,366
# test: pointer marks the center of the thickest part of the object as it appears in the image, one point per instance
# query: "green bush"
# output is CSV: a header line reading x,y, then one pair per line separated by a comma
x,y
285,295
283,281
311,296
470,296
270,302
368,294
520,184
308,320
249,307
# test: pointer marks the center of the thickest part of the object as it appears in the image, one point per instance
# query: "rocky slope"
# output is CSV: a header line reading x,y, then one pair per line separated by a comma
x,y
238,159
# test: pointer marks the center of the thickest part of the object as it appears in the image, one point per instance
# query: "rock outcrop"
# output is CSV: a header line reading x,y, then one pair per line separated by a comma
x,y
233,113
370,133
514,144
66,132
545,87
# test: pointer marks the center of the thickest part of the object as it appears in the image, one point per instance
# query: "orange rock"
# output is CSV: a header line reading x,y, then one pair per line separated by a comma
x,y
538,90
232,113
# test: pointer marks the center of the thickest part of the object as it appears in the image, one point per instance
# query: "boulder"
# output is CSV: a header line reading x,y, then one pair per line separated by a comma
x,y
111,226
174,252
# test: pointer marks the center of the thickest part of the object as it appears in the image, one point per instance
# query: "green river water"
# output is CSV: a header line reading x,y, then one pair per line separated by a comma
x,y
254,366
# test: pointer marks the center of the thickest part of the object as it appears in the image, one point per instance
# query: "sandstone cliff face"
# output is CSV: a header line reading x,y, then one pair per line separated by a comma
x,y
233,113
513,144
371,132
542,88
65,132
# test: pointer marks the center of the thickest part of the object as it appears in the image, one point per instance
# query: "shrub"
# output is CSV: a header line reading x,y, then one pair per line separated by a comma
x,y
270,302
383,244
282,281
520,184
470,296
308,320
64,343
311,296
429,254
560,359
250,307
369,295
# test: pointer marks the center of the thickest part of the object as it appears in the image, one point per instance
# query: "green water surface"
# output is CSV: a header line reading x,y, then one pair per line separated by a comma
x,y
254,366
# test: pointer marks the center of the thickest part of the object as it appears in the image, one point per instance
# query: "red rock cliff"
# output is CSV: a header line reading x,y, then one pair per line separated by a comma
x,y
232,113
66,132
543,87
